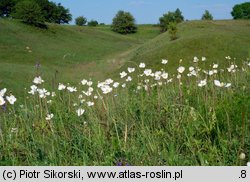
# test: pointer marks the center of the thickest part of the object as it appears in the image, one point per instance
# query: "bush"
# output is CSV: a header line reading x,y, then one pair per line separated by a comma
x,y
166,19
80,21
241,11
124,23
207,16
93,23
29,12
172,28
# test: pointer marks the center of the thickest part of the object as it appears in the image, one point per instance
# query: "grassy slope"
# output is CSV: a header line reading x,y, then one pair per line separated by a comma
x,y
212,39
75,52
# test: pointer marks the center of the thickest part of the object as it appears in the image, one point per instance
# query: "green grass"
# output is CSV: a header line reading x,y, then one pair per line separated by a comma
x,y
168,124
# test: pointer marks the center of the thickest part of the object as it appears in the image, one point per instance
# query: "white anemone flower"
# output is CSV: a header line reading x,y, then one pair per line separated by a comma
x,y
61,86
147,72
90,103
71,89
164,61
164,75
49,117
123,74
106,89
84,82
129,79
191,68
195,59
116,84
203,59
80,111
109,81
221,84
89,83
248,64
142,65
124,85
11,99
202,83
2,92
131,70
2,101
38,80
181,69
215,66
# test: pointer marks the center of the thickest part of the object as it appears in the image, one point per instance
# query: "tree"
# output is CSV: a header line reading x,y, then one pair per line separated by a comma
x,y
29,12
178,16
62,15
241,11
167,18
80,21
207,16
173,30
93,23
6,7
124,23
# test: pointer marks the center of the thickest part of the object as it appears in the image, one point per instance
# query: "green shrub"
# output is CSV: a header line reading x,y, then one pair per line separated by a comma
x,y
207,16
80,21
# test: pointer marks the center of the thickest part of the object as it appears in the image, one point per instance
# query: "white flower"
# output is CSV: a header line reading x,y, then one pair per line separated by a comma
x,y
181,69
109,81
195,59
49,116
89,83
2,92
232,68
191,68
116,84
221,84
147,72
71,89
106,89
215,66
242,156
124,85
80,111
164,75
90,103
49,101
2,101
61,86
11,99
142,65
38,80
248,64
138,87
218,83
203,59
43,93
95,97
202,83
123,74
53,94
131,70
84,82
178,76
228,57
248,164
164,61
129,79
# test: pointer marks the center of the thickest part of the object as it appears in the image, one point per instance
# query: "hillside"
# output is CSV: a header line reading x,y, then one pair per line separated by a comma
x,y
212,39
70,52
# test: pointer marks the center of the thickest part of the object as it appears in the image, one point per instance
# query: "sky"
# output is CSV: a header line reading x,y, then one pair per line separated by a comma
x,y
147,11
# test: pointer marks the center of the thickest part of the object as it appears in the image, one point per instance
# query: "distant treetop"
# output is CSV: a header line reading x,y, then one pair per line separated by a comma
x,y
241,11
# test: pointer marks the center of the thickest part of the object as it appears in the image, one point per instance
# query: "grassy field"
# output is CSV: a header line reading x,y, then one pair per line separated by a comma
x,y
193,111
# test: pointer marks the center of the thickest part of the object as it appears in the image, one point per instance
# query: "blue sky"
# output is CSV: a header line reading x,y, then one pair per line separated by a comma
x,y
148,11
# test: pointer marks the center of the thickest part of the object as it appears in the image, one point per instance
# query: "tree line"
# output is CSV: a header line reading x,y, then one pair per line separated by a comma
x,y
37,12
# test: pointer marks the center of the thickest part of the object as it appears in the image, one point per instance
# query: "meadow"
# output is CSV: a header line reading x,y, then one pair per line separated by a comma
x,y
88,96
